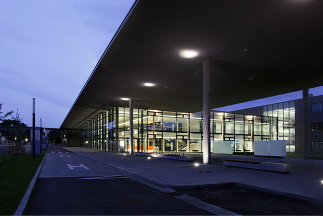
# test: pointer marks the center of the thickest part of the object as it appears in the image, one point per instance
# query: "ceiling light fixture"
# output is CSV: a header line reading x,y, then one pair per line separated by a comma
x,y
148,84
125,99
188,53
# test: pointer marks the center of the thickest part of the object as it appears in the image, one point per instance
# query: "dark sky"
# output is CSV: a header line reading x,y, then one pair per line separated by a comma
x,y
48,49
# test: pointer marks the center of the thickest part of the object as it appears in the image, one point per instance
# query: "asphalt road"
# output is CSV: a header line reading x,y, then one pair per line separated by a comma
x,y
71,184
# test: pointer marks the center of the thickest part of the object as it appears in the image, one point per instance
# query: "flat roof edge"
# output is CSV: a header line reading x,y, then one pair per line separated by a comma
x,y
105,51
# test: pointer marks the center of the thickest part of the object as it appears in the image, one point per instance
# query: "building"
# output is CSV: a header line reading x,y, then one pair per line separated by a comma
x,y
191,56
291,122
168,132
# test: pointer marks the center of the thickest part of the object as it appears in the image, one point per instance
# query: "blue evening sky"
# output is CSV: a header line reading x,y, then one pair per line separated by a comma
x,y
48,49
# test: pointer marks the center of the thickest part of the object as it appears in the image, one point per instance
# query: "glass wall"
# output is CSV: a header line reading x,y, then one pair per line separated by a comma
x,y
285,112
176,132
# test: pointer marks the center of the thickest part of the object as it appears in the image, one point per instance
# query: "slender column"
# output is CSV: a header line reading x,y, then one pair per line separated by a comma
x,y
206,110
306,125
40,134
142,132
34,101
131,126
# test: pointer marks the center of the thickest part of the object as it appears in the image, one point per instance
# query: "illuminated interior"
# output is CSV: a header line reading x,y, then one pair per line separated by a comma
x,y
165,132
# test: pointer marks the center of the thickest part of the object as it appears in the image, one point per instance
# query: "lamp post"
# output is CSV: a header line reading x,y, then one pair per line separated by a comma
x,y
34,101
40,135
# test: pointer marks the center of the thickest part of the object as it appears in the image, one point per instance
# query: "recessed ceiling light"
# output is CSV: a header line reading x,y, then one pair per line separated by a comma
x,y
148,84
125,99
196,164
188,53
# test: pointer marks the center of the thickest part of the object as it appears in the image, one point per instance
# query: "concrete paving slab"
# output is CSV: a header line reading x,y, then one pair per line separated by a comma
x,y
58,165
303,181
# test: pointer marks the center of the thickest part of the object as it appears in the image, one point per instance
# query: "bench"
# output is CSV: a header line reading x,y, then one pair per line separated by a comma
x,y
267,166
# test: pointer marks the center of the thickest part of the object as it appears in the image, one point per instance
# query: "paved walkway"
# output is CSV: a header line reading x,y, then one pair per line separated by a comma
x,y
70,184
304,180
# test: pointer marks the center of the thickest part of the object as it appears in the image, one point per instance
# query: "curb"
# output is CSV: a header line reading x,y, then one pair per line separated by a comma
x,y
276,192
206,206
160,187
150,181
23,203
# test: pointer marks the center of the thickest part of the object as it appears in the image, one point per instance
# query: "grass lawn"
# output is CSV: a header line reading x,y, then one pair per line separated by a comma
x,y
15,176
5,158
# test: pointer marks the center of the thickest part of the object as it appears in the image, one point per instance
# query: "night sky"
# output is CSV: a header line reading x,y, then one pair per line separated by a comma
x,y
49,48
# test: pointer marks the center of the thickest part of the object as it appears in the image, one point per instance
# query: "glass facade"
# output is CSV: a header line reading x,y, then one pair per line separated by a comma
x,y
285,112
165,131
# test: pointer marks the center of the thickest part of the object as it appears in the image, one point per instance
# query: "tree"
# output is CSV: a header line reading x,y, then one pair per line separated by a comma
x,y
13,129
2,117
14,121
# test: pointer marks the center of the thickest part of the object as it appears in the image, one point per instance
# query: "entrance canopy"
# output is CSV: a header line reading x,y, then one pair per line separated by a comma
x,y
257,49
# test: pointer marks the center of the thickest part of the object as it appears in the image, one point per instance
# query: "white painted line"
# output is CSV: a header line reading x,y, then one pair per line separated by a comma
x,y
80,166
106,178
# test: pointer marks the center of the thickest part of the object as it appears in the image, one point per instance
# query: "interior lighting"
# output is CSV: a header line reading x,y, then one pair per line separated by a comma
x,y
148,158
148,84
188,53
154,110
322,181
125,99
196,164
250,117
124,154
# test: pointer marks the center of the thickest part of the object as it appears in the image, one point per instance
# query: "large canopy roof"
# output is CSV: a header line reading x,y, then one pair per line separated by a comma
x,y
257,48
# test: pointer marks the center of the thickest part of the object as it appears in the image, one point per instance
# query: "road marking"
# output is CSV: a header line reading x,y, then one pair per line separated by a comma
x,y
65,156
80,166
105,177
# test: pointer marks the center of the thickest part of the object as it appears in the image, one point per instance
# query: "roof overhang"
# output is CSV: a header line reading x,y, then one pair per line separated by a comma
x,y
257,48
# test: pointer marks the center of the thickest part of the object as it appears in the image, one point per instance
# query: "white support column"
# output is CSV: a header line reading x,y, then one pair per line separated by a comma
x,y
131,126
206,110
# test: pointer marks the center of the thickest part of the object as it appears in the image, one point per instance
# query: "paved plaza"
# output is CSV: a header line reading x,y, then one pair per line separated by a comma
x,y
304,180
